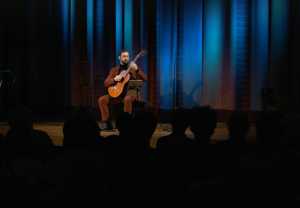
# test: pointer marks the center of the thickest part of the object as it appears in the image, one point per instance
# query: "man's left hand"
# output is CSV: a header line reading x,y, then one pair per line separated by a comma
x,y
133,66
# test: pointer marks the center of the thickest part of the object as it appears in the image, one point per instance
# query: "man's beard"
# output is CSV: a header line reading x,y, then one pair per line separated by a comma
x,y
124,65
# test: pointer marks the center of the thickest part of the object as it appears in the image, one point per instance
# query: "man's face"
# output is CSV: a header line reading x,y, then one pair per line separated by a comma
x,y
124,58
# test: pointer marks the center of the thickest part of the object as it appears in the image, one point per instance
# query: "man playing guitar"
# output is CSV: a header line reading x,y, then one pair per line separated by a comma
x,y
115,76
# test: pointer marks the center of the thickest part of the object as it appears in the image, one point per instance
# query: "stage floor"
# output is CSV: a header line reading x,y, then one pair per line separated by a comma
x,y
55,131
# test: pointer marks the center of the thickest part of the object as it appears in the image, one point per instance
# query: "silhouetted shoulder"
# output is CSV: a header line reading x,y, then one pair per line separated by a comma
x,y
41,137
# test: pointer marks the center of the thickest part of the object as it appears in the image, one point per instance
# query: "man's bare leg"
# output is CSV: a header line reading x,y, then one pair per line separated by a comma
x,y
103,103
128,101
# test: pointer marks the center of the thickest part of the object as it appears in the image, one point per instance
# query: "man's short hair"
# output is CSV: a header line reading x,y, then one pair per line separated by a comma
x,y
123,51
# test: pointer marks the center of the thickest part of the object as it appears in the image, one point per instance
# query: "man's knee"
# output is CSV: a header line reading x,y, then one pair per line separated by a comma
x,y
103,100
127,99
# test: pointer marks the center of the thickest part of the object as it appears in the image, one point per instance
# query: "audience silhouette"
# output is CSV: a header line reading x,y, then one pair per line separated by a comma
x,y
203,123
22,135
238,128
179,122
115,164
81,129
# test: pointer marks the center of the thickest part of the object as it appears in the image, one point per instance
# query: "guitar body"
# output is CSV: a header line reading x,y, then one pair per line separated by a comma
x,y
117,89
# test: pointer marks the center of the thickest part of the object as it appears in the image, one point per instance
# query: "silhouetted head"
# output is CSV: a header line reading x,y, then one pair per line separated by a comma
x,y
269,128
1,138
291,128
238,126
81,128
21,119
145,123
137,129
125,124
203,123
179,121
22,135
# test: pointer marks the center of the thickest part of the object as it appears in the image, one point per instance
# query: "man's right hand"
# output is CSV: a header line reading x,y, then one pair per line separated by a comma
x,y
117,78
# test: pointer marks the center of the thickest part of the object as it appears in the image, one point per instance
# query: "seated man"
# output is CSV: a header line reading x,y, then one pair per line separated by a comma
x,y
114,77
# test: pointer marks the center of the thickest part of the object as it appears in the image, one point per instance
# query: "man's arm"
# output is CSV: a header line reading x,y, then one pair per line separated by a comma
x,y
137,72
141,74
110,78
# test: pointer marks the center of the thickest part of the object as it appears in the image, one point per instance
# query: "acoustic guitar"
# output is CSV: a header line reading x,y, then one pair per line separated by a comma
x,y
117,89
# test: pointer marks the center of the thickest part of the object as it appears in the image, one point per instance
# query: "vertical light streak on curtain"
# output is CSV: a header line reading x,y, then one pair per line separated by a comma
x,y
279,46
143,43
166,50
90,46
99,45
128,26
74,56
192,52
239,51
259,50
119,28
65,14
213,35
177,58
279,21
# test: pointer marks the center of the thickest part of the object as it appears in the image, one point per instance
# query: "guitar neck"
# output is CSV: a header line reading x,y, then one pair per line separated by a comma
x,y
134,60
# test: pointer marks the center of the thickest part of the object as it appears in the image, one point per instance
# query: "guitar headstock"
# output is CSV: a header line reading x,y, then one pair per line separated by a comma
x,y
143,52
140,54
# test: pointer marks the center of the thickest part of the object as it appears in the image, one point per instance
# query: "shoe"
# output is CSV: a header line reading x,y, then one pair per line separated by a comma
x,y
109,126
102,125
105,126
